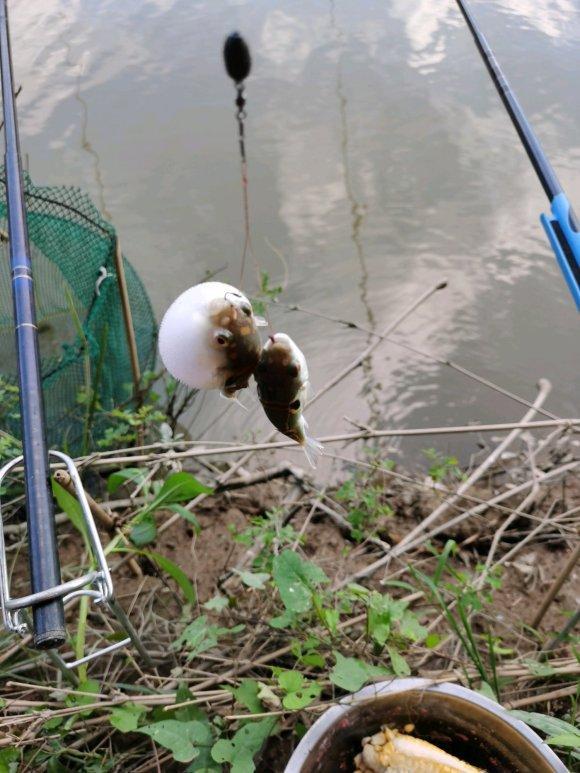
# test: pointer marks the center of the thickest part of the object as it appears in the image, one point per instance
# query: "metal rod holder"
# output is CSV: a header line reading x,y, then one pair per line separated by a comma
x,y
96,584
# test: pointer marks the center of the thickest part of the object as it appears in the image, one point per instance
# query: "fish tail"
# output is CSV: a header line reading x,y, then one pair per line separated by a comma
x,y
313,450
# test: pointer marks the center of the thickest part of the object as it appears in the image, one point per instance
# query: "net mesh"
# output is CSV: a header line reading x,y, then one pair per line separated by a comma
x,y
82,338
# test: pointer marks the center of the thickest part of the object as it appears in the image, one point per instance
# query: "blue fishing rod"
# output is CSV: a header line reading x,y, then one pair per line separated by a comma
x,y
48,616
562,225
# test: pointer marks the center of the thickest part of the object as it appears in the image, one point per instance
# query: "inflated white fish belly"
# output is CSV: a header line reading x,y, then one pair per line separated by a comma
x,y
190,330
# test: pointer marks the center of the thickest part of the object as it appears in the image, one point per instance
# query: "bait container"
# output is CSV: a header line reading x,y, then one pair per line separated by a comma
x,y
462,722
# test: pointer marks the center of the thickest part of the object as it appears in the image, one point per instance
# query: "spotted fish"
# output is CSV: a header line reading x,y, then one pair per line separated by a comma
x,y
282,379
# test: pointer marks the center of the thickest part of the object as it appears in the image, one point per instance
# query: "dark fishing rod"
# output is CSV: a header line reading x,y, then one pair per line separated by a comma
x,y
562,226
48,617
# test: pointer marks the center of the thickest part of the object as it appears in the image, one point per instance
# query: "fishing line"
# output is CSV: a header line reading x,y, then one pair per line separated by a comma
x,y
241,116
238,63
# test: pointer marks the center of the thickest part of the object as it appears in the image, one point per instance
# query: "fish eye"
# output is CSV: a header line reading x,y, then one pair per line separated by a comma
x,y
222,337
294,406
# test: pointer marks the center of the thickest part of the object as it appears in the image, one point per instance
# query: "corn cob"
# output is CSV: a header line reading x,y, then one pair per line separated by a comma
x,y
392,752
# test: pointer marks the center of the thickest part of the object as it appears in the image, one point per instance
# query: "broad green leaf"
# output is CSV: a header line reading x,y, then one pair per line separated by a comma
x,y
247,695
178,487
246,743
90,686
256,580
398,662
216,603
569,740
330,618
204,763
348,673
223,751
177,573
70,505
126,717
351,673
286,620
183,739
9,760
200,636
302,697
411,628
126,475
487,691
186,713
552,726
290,680
186,515
540,669
144,532
314,659
296,580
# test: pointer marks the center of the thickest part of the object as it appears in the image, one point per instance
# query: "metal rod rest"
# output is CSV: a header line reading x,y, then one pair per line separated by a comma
x,y
58,591
96,584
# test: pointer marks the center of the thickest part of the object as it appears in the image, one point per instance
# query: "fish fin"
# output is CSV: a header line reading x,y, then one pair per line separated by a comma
x,y
260,321
312,449
235,399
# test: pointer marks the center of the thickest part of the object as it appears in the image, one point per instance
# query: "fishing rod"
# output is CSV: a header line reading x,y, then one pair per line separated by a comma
x,y
561,226
49,594
48,617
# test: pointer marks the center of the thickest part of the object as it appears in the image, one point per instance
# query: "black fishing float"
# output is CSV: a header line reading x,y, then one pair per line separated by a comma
x,y
238,63
48,617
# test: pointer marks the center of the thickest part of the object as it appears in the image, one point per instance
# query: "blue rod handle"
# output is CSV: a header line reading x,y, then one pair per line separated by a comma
x,y
564,238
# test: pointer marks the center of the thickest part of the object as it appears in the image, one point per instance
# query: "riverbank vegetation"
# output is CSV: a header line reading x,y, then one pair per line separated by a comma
x,y
263,596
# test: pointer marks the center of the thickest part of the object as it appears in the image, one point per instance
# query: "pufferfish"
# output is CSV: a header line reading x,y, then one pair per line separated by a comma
x,y
282,379
208,338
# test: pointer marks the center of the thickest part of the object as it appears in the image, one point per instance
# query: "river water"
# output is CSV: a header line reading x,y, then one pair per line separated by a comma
x,y
380,160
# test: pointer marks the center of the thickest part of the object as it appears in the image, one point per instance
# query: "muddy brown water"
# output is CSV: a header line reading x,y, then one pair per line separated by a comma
x,y
380,162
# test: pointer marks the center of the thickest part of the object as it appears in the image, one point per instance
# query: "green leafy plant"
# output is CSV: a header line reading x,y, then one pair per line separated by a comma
x,y
442,468
269,532
352,673
560,733
298,691
366,503
239,751
178,487
266,294
200,636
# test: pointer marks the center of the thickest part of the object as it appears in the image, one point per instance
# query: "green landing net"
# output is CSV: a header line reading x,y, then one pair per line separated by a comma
x,y
83,344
